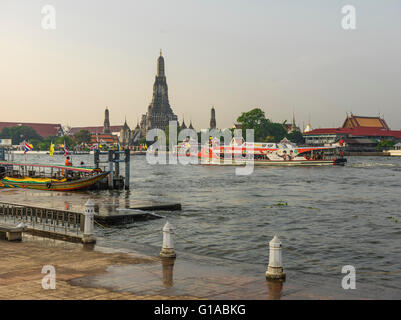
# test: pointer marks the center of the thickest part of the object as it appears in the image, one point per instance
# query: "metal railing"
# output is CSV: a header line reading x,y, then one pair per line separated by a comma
x,y
39,218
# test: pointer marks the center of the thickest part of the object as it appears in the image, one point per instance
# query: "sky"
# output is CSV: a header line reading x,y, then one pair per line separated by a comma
x,y
283,56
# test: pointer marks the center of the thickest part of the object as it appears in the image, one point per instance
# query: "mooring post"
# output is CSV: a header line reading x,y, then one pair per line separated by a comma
x,y
96,158
111,175
275,268
168,250
88,236
127,168
117,164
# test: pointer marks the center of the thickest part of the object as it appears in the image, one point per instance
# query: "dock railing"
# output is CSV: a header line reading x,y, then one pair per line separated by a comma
x,y
41,220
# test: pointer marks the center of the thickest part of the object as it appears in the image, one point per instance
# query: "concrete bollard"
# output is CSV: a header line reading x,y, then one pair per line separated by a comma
x,y
275,267
168,250
88,236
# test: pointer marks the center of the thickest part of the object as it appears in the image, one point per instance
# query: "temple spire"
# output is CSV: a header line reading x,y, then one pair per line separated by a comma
x,y
160,65
106,124
212,124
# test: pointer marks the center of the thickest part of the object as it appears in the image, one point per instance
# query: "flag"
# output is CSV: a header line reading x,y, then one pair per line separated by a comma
x,y
65,150
27,146
51,149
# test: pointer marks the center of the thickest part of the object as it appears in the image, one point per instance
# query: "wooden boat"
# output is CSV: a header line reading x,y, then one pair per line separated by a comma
x,y
48,177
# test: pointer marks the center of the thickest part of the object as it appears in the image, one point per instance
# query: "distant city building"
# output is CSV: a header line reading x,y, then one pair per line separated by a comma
x,y
357,132
104,139
43,129
96,129
106,134
159,112
212,119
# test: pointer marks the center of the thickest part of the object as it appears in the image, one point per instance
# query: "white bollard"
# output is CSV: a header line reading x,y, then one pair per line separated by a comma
x,y
88,236
275,267
168,250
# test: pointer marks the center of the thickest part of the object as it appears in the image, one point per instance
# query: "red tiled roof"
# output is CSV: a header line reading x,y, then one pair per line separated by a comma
x,y
104,138
43,129
357,132
97,129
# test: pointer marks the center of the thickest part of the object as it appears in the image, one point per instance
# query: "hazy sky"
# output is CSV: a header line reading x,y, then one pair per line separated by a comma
x,y
282,56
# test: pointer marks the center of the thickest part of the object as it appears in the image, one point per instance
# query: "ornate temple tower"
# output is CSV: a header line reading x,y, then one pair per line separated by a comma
x,y
106,124
125,134
159,111
212,119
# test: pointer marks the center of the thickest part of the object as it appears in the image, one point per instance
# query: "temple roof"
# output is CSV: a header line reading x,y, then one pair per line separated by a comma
x,y
370,122
43,129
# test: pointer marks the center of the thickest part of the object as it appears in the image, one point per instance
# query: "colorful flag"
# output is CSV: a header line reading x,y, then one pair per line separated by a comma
x,y
65,150
51,149
27,146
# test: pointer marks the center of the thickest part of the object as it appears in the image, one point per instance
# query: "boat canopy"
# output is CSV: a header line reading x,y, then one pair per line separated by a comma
x,y
69,168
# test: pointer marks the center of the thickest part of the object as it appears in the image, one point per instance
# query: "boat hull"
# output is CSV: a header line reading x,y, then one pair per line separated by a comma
x,y
303,163
56,186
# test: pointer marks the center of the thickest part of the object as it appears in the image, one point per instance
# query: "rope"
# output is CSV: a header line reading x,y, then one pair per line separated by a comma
x,y
100,225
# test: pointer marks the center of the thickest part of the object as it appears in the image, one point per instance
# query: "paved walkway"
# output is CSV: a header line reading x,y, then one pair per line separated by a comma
x,y
104,273
22,262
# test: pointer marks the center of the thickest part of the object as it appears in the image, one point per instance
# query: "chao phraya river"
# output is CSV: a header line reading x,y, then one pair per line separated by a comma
x,y
326,217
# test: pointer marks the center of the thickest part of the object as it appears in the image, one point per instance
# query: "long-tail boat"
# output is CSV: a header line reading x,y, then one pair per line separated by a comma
x,y
48,177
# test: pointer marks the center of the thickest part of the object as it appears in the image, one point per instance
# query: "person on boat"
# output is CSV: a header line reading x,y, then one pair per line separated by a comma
x,y
285,155
291,156
68,162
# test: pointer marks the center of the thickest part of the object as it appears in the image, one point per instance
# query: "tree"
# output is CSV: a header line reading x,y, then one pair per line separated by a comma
x,y
296,137
385,145
83,136
264,129
65,139
19,134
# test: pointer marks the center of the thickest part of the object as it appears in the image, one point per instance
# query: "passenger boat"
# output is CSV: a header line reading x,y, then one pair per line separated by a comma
x,y
284,153
48,177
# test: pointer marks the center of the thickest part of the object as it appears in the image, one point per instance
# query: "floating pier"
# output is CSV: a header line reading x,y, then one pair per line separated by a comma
x,y
112,164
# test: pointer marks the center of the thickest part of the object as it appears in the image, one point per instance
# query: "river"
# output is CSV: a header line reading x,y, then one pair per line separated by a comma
x,y
326,217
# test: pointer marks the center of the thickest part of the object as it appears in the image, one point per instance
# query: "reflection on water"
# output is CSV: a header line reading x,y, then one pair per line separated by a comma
x,y
326,217
167,269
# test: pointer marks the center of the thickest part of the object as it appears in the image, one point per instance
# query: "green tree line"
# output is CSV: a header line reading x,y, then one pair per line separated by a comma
x,y
19,134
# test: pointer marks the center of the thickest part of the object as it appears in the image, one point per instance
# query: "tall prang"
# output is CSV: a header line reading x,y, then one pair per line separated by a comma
x,y
212,119
106,124
159,112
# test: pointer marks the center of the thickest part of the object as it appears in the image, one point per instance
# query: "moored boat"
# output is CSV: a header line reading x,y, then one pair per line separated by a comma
x,y
48,177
